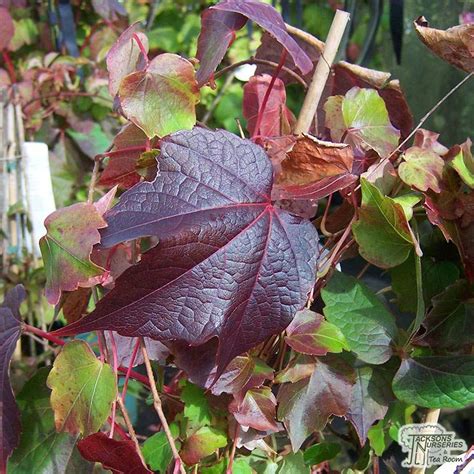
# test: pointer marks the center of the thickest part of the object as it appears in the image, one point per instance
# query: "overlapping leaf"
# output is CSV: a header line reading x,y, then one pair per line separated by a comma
x,y
83,389
40,445
305,406
371,396
8,27
277,118
10,329
228,264
436,381
455,45
363,319
382,230
310,333
161,99
220,22
421,169
124,164
67,246
361,119
313,169
117,456
125,56
202,444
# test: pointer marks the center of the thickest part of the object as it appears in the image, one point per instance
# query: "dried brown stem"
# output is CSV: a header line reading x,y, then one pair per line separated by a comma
x,y
95,173
159,408
131,429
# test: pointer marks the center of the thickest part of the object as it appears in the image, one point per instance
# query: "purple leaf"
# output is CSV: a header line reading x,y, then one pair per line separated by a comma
x,y
10,329
228,264
220,22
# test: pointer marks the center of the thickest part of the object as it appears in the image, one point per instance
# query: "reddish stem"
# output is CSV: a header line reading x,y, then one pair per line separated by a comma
x,y
261,111
65,94
9,64
115,360
121,432
142,48
87,39
127,376
60,342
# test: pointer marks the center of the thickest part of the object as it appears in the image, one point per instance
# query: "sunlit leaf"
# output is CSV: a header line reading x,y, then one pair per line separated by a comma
x,y
201,444
83,389
161,99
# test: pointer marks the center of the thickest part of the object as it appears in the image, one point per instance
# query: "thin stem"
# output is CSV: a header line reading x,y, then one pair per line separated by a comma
x,y
95,173
60,342
9,65
261,111
234,447
264,62
132,360
142,48
321,72
65,94
130,428
420,124
115,367
159,409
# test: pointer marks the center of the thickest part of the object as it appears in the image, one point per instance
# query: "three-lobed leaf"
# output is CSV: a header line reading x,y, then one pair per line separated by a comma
x,y
83,389
228,264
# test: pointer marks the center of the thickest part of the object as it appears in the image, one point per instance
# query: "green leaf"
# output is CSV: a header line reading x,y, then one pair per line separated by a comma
x,y
408,201
361,118
365,322
83,389
371,396
305,406
421,169
378,438
91,141
241,466
382,231
202,444
162,98
196,407
40,445
67,246
436,381
450,323
294,463
321,452
463,163
157,450
310,333
436,276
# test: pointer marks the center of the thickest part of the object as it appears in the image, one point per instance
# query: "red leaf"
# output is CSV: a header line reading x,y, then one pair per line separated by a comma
x,y
305,406
10,330
228,263
257,409
121,168
277,118
125,57
455,45
7,30
120,457
220,22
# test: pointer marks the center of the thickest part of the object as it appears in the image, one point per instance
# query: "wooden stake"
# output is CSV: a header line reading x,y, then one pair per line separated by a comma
x,y
321,73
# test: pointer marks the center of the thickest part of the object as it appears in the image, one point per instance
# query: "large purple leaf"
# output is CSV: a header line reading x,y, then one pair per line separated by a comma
x,y
220,22
228,264
10,329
